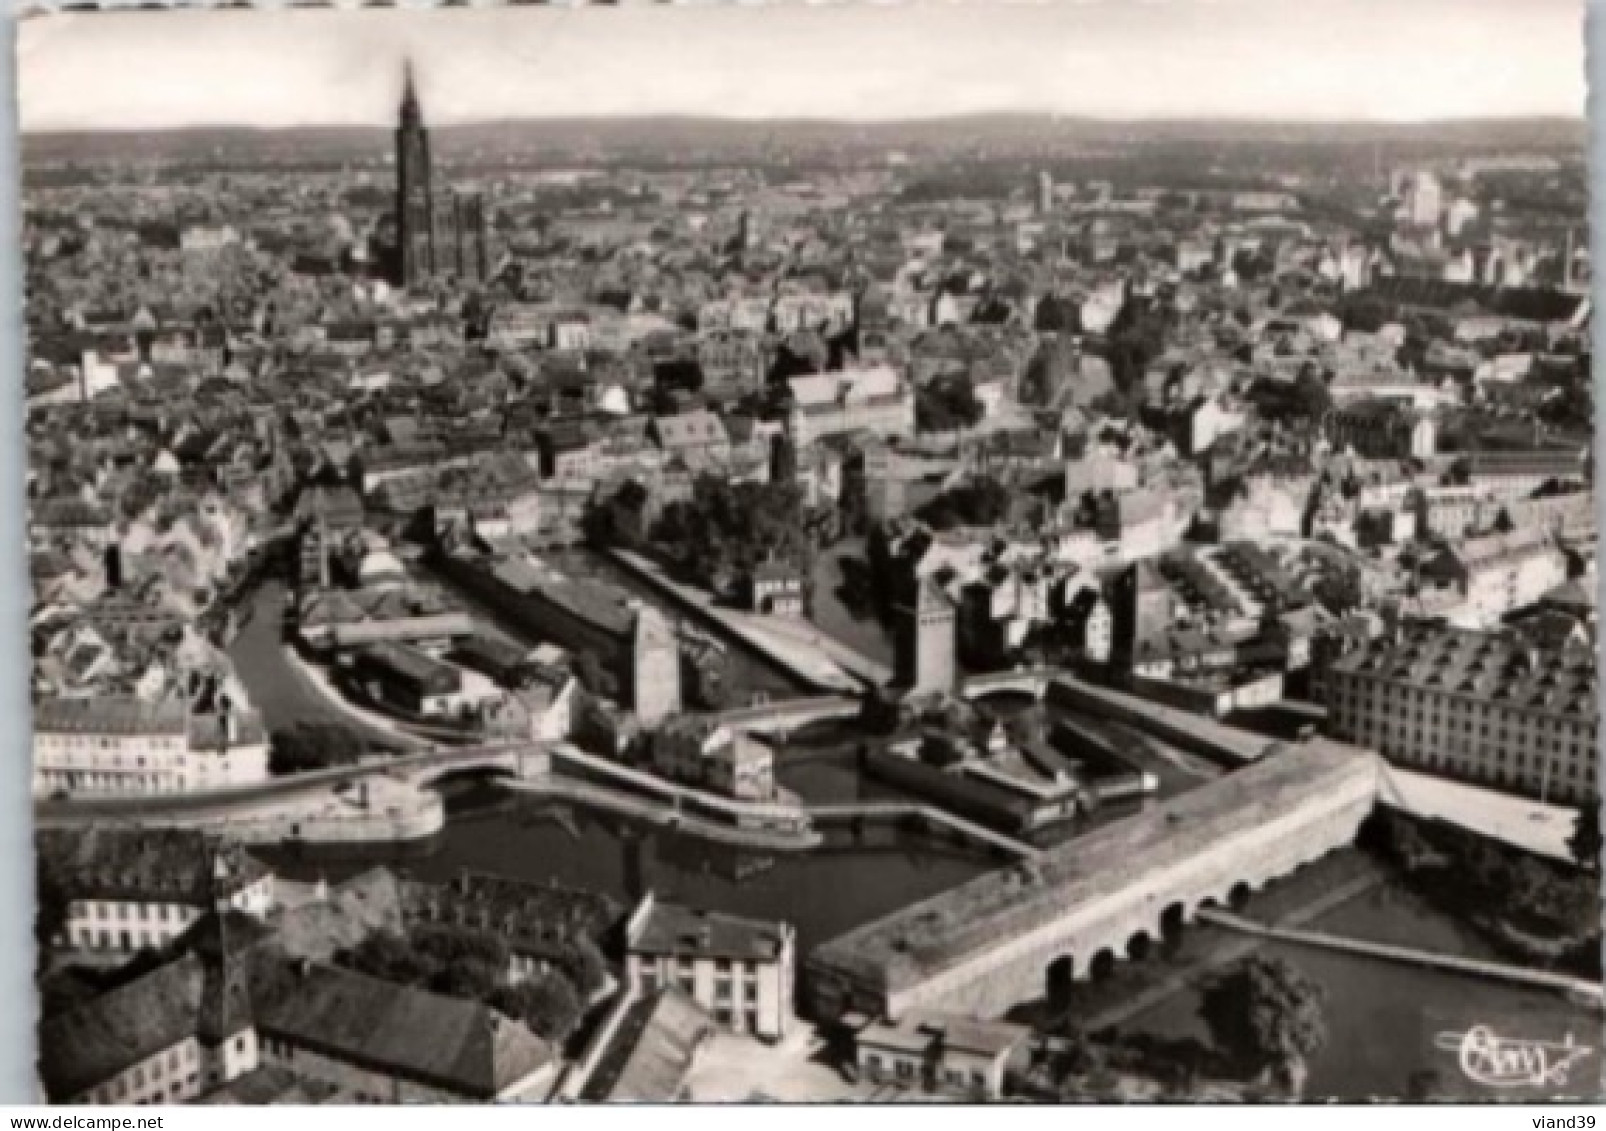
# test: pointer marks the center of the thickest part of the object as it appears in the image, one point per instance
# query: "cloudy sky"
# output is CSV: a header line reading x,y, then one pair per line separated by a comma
x,y
1376,60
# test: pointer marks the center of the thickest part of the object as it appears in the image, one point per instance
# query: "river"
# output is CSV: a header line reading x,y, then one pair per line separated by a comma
x,y
1390,1025
852,879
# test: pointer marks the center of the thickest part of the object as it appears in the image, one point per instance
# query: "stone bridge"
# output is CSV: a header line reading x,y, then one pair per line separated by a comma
x,y
1027,681
1014,934
520,760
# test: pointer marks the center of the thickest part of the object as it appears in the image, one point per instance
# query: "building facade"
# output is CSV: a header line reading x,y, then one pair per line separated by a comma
x,y
741,971
1473,705
123,745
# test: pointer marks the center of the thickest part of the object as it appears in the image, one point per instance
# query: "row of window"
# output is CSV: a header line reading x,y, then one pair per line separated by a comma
x,y
101,742
173,1064
1388,696
1414,730
143,912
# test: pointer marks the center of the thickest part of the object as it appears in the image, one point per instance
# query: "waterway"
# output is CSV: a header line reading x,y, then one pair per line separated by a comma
x,y
854,878
1386,1020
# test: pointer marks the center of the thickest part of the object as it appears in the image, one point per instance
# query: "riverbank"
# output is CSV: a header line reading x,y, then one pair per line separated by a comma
x,y
377,810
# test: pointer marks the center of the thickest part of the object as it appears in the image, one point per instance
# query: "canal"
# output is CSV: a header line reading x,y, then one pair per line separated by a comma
x,y
855,877
1391,1027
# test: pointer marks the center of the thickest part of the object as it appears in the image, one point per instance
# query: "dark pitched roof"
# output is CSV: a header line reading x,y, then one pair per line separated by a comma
x,y
669,928
103,1037
460,1046
652,1051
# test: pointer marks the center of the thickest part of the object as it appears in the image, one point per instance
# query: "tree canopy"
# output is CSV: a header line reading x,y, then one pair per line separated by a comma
x,y
981,501
1585,842
947,405
1267,1012
725,529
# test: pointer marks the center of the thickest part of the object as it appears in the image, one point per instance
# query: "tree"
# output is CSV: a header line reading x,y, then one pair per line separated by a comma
x,y
547,1003
1268,1014
1585,843
1312,399
315,746
947,405
1057,315
983,501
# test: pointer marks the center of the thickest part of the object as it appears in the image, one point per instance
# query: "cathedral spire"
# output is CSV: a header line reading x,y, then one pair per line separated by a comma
x,y
409,103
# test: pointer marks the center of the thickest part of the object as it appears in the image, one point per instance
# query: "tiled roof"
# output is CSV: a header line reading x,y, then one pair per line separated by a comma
x,y
109,715
100,1039
462,1047
652,1051
150,865
669,928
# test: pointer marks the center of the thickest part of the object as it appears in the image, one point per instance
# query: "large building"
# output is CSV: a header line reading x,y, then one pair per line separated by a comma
x,y
440,232
1485,707
123,744
1382,429
867,400
130,890
1496,574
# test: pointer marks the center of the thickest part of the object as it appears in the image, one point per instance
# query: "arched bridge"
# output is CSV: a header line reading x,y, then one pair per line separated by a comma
x,y
1006,937
520,760
1026,681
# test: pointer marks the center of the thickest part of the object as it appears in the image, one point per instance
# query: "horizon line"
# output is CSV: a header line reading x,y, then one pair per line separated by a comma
x,y
1581,118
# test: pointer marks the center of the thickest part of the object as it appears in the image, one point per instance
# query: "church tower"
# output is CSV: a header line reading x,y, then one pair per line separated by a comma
x,y
415,200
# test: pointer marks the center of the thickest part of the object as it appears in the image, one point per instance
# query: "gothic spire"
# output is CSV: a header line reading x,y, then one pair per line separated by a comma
x,y
409,104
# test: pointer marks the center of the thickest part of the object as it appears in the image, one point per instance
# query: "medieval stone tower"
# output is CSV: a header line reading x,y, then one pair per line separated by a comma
x,y
925,640
654,669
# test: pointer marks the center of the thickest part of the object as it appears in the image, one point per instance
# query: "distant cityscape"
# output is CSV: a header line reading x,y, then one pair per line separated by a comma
x,y
949,611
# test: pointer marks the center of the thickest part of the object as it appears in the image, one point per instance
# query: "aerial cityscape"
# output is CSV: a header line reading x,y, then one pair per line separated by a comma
x,y
994,606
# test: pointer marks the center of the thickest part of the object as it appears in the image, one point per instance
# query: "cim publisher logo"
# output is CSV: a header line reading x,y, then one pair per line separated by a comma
x,y
1542,1049
1486,1057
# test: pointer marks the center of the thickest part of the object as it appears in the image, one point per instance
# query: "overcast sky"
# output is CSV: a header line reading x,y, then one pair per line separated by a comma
x,y
1373,60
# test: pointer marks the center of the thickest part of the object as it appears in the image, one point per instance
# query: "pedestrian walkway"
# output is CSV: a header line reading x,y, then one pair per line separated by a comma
x,y
1453,962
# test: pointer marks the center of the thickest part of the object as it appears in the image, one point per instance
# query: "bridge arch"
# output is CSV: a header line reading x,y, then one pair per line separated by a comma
x,y
1139,946
1172,920
435,775
1058,979
1103,964
1238,895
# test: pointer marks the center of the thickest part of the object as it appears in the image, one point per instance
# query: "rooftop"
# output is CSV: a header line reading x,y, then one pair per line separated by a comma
x,y
1486,666
669,928
460,1046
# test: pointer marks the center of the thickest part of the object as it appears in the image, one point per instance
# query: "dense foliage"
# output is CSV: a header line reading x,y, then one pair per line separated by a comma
x,y
725,529
472,965
1267,1014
